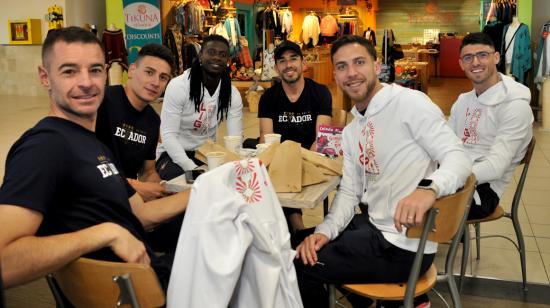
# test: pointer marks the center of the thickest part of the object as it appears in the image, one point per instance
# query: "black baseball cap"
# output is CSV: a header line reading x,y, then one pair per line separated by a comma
x,y
287,45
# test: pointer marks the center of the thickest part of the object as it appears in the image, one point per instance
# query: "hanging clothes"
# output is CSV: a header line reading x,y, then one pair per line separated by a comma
x,y
370,36
233,29
189,54
115,48
268,19
329,26
542,68
520,61
191,17
219,29
286,22
311,29
173,39
494,29
244,56
268,66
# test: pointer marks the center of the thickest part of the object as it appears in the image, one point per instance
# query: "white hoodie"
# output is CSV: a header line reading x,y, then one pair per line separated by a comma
x,y
397,143
496,128
183,129
234,245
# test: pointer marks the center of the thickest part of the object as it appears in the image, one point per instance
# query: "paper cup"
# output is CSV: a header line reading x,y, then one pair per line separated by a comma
x,y
260,147
272,138
215,159
233,143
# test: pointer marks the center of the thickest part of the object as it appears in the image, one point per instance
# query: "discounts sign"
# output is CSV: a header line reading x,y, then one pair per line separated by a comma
x,y
143,25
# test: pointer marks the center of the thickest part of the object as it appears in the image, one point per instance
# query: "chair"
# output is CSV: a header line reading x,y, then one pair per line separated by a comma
x,y
443,223
339,117
497,214
93,283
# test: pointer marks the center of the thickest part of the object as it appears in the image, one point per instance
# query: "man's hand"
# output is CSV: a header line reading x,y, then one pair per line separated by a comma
x,y
148,190
127,247
307,250
411,209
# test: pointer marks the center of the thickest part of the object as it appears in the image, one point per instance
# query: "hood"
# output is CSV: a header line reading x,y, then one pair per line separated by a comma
x,y
504,91
383,98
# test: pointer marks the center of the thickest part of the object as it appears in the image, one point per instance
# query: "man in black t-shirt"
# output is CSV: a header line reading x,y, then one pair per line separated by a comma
x,y
62,196
129,126
294,108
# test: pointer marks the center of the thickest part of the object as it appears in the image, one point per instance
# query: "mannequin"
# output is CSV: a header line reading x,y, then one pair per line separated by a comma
x,y
509,42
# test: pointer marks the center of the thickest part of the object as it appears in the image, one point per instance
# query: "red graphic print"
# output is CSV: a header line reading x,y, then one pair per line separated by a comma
x,y
249,188
367,156
471,125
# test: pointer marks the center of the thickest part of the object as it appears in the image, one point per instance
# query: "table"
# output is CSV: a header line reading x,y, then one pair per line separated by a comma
x,y
311,195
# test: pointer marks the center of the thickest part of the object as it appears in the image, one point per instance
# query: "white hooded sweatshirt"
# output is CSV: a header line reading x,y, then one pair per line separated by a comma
x,y
496,128
183,129
234,245
387,152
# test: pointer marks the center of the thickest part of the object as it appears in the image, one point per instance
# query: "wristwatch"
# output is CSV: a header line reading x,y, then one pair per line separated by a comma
x,y
430,185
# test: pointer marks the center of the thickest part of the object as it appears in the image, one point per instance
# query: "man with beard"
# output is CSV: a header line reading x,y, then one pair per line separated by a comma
x,y
194,105
392,149
62,196
494,121
294,108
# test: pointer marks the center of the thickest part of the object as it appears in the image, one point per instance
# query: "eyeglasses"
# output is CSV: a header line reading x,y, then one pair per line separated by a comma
x,y
481,56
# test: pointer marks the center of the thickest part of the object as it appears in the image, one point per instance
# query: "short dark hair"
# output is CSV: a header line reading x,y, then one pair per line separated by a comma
x,y
157,51
215,38
350,39
477,38
68,35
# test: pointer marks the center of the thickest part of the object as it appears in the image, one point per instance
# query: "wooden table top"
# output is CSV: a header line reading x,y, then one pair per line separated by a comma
x,y
310,196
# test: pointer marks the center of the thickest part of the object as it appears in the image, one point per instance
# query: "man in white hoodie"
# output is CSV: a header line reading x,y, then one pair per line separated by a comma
x,y
391,152
494,121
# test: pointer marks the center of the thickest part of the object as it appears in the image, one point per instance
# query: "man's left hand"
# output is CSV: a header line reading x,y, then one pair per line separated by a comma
x,y
411,209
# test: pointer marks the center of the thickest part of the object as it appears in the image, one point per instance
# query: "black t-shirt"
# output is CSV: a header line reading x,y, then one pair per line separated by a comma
x,y
60,169
130,134
296,121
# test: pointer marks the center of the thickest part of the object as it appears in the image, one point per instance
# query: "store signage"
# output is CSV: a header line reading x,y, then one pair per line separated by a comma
x,y
143,25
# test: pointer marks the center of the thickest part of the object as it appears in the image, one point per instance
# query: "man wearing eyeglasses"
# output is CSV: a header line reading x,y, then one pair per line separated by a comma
x,y
494,121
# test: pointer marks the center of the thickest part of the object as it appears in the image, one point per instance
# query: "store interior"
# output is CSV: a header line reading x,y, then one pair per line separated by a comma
x,y
417,40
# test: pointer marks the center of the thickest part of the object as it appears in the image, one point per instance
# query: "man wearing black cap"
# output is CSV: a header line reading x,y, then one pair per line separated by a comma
x,y
294,108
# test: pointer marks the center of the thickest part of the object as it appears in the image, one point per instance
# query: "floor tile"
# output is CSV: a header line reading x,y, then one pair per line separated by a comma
x,y
544,244
504,264
541,230
538,214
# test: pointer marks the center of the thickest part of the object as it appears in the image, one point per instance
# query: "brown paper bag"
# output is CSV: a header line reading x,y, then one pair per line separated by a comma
x,y
267,156
285,169
210,146
322,161
311,174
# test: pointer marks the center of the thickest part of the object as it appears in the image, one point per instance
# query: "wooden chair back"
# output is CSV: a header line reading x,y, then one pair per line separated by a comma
x,y
93,283
450,214
529,153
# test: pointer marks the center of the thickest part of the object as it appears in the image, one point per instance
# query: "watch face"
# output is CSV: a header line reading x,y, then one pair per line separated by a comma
x,y
425,183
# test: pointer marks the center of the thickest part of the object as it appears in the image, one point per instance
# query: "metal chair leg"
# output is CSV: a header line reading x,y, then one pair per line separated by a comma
x,y
465,254
521,251
331,296
478,240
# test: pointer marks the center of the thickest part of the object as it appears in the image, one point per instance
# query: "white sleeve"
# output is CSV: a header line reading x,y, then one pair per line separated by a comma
x,y
515,120
429,128
452,120
235,114
343,206
176,95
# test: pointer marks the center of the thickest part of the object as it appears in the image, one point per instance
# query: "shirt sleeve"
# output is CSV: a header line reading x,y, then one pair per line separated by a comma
x,y
235,114
515,124
176,95
429,129
30,182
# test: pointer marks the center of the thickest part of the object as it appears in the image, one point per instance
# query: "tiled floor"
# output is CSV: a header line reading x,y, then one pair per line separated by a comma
x,y
498,258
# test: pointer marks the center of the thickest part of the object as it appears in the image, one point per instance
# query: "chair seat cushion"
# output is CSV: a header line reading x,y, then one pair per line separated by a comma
x,y
394,291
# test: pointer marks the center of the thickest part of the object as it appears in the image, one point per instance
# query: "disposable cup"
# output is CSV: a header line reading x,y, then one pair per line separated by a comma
x,y
272,138
215,159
